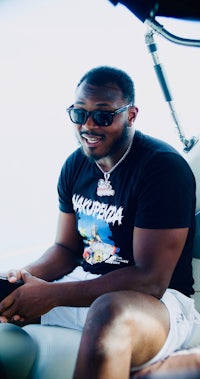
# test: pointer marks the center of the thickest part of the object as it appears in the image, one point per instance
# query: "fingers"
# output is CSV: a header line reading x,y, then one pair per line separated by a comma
x,y
25,275
14,275
11,306
17,318
9,311
5,304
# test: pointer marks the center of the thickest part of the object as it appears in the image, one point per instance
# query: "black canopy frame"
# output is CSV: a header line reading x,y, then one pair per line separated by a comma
x,y
147,11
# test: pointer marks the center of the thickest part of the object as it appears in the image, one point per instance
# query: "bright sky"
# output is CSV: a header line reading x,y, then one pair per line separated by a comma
x,y
45,46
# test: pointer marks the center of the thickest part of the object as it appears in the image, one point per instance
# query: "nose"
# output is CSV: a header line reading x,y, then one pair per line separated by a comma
x,y
89,124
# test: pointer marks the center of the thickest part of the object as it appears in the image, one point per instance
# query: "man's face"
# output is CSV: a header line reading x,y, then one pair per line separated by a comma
x,y
102,141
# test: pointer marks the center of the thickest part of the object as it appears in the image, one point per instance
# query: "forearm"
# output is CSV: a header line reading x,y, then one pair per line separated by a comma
x,y
54,263
45,294
83,293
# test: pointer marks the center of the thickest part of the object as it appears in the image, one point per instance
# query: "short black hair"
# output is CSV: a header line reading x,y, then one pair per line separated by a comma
x,y
104,74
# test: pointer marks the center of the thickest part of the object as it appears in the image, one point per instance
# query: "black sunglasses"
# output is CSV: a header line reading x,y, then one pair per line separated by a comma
x,y
100,118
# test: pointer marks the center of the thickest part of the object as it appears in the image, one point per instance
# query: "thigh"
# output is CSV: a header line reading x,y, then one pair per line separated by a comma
x,y
139,321
150,327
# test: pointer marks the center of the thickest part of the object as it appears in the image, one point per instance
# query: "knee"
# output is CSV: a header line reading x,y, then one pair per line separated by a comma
x,y
109,309
109,326
17,351
119,311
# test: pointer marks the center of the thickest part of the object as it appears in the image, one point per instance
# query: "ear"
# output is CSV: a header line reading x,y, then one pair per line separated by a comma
x,y
133,111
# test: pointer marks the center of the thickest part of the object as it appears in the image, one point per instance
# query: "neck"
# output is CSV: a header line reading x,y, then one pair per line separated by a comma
x,y
108,164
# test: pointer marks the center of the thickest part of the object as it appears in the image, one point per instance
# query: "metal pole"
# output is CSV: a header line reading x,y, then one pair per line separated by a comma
x,y
152,48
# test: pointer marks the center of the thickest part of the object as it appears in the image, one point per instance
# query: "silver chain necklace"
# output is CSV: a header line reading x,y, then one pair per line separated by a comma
x,y
104,187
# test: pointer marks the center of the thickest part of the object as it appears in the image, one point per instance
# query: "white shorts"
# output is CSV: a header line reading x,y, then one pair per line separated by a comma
x,y
69,317
184,330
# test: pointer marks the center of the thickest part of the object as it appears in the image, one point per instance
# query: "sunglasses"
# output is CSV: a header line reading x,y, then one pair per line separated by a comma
x,y
100,118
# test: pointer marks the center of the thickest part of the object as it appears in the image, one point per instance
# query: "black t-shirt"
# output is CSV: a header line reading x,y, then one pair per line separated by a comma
x,y
153,188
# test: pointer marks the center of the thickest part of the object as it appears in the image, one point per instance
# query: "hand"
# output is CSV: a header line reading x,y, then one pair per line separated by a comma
x,y
27,302
12,276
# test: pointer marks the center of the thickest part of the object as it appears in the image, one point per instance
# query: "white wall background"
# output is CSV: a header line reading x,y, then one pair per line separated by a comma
x,y
45,46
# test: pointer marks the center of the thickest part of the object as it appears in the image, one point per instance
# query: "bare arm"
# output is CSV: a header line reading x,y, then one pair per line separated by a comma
x,y
63,256
156,253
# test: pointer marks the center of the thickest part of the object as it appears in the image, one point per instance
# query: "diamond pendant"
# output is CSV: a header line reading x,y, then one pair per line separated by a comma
x,y
104,188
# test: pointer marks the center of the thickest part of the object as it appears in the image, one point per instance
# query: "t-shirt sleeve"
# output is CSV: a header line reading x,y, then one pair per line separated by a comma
x,y
64,189
166,194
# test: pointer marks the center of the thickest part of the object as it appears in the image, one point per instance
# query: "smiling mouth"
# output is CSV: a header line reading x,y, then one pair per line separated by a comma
x,y
91,139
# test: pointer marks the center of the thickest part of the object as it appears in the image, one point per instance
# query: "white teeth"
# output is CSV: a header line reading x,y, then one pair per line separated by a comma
x,y
91,139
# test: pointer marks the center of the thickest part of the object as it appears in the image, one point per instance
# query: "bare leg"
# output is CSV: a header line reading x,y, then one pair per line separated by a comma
x,y
122,329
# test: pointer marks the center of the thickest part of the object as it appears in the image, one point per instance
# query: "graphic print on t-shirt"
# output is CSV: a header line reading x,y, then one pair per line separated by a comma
x,y
93,225
99,246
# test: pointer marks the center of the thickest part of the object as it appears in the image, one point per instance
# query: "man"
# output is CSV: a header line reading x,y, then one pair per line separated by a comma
x,y
123,242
